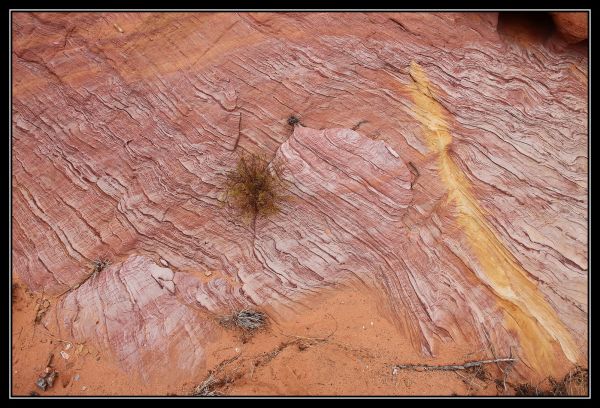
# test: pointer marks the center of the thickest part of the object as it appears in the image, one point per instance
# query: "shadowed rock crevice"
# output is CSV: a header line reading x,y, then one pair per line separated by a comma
x,y
535,27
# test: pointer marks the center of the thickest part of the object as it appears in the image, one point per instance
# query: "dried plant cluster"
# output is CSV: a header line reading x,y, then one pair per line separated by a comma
x,y
293,120
574,383
255,187
99,265
246,319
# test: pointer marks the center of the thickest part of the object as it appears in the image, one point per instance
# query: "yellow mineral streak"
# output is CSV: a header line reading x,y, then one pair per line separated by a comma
x,y
527,312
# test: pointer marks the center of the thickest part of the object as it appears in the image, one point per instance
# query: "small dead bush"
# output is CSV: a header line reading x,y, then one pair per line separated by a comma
x,y
293,120
100,264
255,187
246,319
527,390
575,383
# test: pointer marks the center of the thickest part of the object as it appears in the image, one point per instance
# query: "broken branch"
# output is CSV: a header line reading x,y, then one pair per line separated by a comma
x,y
452,367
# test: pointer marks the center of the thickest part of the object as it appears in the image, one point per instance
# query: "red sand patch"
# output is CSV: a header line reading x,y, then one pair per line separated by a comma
x,y
354,354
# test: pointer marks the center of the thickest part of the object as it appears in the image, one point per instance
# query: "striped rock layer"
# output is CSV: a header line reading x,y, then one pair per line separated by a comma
x,y
438,161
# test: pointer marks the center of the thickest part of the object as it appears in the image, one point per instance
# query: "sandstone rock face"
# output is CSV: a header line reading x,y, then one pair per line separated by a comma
x,y
444,167
573,26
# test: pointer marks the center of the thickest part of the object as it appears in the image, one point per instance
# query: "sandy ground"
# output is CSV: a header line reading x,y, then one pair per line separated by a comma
x,y
345,345
342,343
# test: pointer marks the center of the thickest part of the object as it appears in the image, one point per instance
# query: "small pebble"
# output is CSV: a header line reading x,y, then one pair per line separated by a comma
x,y
50,379
41,383
64,355
76,377
163,262
371,323
207,273
68,346
395,371
237,349
83,388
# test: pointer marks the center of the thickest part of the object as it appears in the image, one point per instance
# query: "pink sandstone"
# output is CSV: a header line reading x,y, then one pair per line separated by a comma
x,y
460,195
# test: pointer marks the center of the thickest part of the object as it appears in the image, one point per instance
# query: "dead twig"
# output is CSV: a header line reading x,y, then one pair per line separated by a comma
x,y
451,367
217,378
207,388
237,140
506,372
508,368
50,357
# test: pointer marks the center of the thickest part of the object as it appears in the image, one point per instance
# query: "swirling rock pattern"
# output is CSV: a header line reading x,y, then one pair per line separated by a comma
x,y
436,161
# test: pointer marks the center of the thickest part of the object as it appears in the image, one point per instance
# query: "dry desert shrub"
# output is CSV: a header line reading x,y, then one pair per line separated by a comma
x,y
246,319
575,383
98,265
255,187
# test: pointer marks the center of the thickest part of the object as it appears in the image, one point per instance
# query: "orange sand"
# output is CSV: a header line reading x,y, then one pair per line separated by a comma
x,y
357,358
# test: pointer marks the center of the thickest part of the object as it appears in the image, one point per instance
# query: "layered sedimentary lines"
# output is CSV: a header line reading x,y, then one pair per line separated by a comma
x,y
131,309
460,195
501,271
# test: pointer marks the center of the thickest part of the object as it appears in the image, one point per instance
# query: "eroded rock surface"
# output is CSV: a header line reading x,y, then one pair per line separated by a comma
x,y
572,25
460,195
